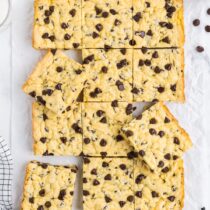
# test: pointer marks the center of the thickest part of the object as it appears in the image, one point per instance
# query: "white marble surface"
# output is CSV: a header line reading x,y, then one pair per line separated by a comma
x,y
17,58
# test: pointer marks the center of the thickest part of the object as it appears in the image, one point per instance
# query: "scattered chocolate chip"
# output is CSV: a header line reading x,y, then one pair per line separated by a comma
x,y
98,10
152,131
207,28
154,194
103,154
117,22
122,203
40,208
47,13
88,59
129,109
99,27
141,62
32,94
161,89
62,194
31,200
86,160
129,133
108,177
176,141
113,12
130,198
120,85
161,133
147,62
105,164
43,139
105,14
196,22
52,38
155,54
64,26
139,117
45,36
139,178
41,100
160,164
208,11
173,87
137,16
142,34
175,157
86,140
122,63
76,45
149,33
63,140
95,35
76,128
72,12
103,142
139,194
100,113
153,121
47,204
122,166
59,69
48,92
199,49
171,198
58,86
114,103
78,71
132,42
135,90
104,69
142,153
67,37
103,120
68,108
53,51
47,20
167,156
165,170
166,40
168,66
86,193
107,199
157,70
123,51
144,50
96,182
119,138
42,192
84,180
166,120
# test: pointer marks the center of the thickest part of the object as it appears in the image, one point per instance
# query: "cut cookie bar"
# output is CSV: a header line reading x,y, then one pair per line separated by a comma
x,y
158,23
48,187
159,192
110,74
158,137
107,23
57,24
159,75
102,124
56,82
108,184
57,135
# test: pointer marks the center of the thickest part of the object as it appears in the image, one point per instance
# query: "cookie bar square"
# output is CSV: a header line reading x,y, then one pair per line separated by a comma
x,y
108,184
165,191
110,74
57,24
159,75
56,81
158,137
57,135
158,23
102,124
107,23
48,186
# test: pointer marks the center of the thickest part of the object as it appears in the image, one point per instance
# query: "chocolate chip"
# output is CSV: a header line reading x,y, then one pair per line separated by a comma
x,y
119,138
53,51
168,66
41,100
132,42
142,153
99,113
113,12
72,12
105,14
32,94
47,13
142,34
161,89
129,109
103,142
107,199
147,62
59,69
103,154
160,164
31,200
64,26
88,59
154,194
155,54
137,16
176,141
105,164
152,131
62,194
166,120
47,204
96,182
104,69
44,165
84,180
98,10
45,36
149,33
122,63
94,171
139,117
86,160
48,92
52,38
43,139
173,87
103,120
129,133
42,192
117,22
175,157
47,20
207,28
68,108
131,155
157,70
99,27
144,50
123,51
139,178
122,167
71,193
86,193
130,198
141,62
166,40
108,177
95,35
208,11
67,37
122,203
199,49
63,140
161,133
76,45
58,86
45,117
196,22
171,198
135,90
86,140
167,156
40,208
107,47
120,85
147,4
165,170
114,103
78,71
139,194
77,128
153,121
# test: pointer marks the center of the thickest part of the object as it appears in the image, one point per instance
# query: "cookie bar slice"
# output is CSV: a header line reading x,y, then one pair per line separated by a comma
x,y
57,24
108,184
56,81
159,192
48,186
158,23
57,135
107,24
158,75
158,137
110,74
102,124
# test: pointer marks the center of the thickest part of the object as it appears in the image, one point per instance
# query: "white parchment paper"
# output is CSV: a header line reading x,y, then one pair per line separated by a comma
x,y
191,114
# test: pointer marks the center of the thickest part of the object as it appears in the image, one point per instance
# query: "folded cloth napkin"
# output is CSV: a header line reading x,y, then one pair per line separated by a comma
x,y
5,176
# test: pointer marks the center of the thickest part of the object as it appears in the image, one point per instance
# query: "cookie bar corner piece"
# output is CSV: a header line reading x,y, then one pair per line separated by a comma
x,y
158,23
158,137
165,191
159,75
108,183
56,81
57,135
107,24
48,186
57,24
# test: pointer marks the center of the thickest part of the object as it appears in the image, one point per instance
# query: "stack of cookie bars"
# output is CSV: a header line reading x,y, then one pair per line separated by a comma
x,y
132,52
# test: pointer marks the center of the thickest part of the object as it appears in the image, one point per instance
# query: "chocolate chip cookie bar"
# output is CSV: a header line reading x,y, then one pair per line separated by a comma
x,y
57,24
158,75
48,187
110,74
158,23
107,24
57,135
165,191
158,137
56,82
108,184
102,124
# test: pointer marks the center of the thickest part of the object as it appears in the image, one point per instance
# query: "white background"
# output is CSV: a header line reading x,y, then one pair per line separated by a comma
x,y
17,59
